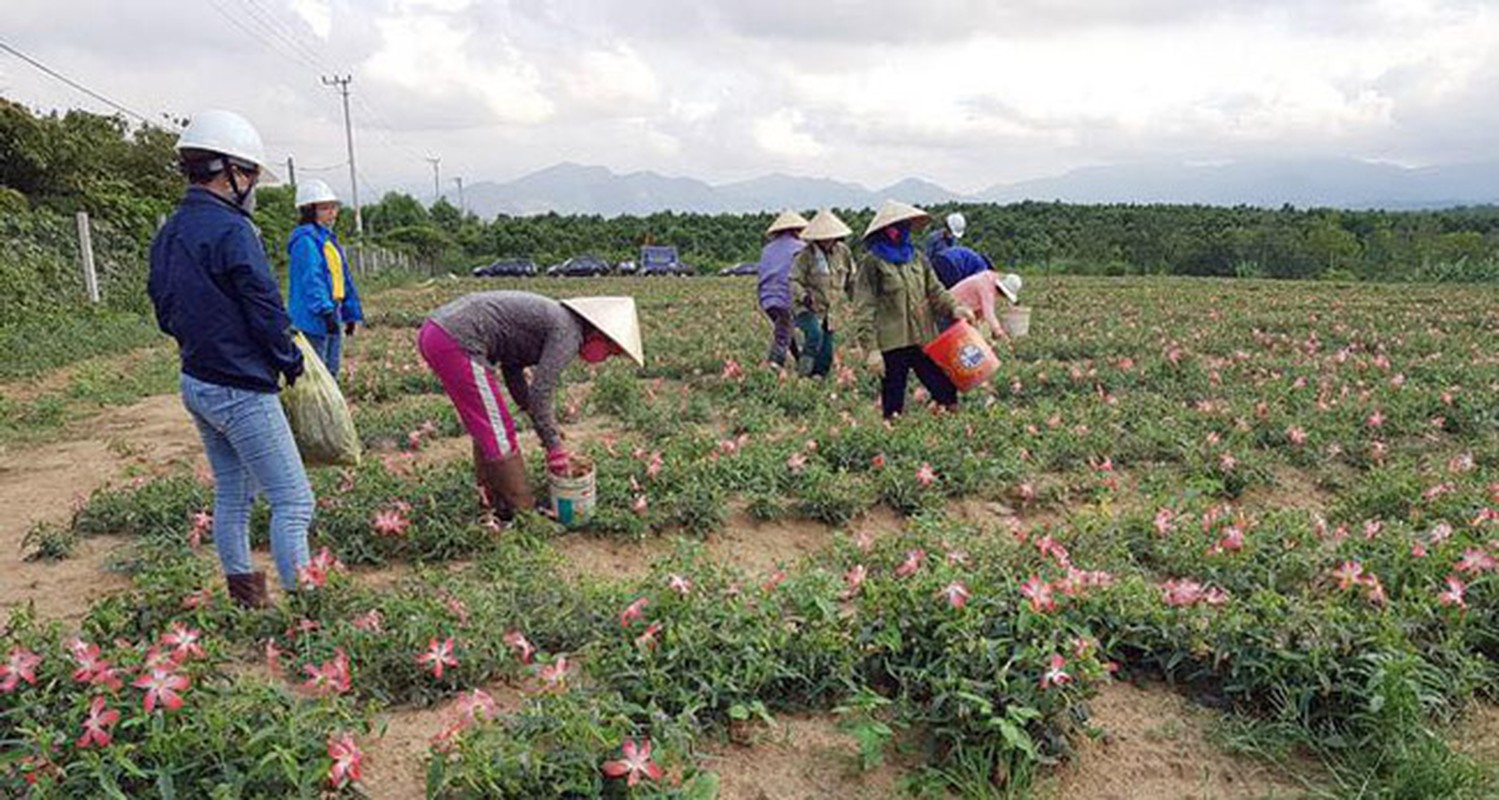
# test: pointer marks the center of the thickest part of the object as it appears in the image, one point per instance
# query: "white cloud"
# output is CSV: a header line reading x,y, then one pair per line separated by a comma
x,y
779,133
612,79
318,14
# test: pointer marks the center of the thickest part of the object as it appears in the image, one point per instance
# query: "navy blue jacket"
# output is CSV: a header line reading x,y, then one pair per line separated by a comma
x,y
957,262
214,293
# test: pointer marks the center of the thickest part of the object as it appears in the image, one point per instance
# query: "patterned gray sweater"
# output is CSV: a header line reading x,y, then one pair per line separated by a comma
x,y
512,331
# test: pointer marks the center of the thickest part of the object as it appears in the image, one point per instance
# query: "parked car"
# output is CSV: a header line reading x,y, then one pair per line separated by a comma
x,y
584,266
742,268
506,267
658,259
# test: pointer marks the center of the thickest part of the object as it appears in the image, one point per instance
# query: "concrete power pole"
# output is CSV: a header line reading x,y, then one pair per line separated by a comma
x,y
343,89
436,162
291,173
462,209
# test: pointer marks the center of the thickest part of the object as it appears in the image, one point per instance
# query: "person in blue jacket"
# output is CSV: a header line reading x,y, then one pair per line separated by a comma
x,y
957,262
213,291
321,297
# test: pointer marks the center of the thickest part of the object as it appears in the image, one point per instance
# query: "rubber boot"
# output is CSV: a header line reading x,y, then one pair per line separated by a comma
x,y
514,487
248,590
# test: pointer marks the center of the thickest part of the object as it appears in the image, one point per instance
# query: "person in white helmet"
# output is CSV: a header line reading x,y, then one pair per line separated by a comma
x,y
946,235
213,291
321,296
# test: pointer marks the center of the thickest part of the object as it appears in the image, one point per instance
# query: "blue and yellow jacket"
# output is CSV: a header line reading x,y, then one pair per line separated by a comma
x,y
214,293
313,289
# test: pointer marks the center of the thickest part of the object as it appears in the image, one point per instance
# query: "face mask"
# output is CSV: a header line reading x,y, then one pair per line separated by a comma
x,y
595,349
247,204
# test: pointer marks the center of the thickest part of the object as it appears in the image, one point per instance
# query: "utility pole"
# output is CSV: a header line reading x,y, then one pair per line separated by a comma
x,y
343,89
461,207
291,173
436,161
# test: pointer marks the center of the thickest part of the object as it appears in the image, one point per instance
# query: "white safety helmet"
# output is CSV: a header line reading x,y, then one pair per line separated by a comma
x,y
314,190
226,133
957,223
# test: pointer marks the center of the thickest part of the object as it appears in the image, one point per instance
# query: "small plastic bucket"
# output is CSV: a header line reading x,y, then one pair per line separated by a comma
x,y
1017,320
574,495
963,354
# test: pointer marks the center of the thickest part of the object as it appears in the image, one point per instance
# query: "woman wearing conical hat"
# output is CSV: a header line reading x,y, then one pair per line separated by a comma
x,y
897,303
465,340
821,284
781,246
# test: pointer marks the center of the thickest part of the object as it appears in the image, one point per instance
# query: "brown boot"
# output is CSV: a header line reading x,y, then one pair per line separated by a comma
x,y
513,485
248,591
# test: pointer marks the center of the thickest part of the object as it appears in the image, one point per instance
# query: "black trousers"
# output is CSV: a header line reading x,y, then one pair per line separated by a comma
x,y
898,363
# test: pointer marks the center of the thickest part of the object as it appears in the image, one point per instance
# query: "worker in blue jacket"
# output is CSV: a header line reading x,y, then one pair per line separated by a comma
x,y
957,262
213,291
323,302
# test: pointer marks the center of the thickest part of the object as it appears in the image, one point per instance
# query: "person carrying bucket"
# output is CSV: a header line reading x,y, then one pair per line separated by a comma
x,y
321,298
821,282
466,339
982,292
897,302
774,287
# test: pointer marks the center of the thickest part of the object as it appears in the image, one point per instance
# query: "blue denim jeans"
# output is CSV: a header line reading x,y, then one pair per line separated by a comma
x,y
329,347
251,450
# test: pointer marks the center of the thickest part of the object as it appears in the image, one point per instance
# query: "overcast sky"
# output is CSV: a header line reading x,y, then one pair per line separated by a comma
x,y
967,93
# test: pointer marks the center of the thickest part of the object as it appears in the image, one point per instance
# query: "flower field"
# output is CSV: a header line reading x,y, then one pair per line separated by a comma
x,y
1280,499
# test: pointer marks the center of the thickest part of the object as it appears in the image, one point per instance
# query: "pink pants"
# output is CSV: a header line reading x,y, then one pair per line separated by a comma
x,y
472,388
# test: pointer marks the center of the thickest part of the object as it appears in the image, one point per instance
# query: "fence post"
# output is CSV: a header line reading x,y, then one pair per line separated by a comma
x,y
86,254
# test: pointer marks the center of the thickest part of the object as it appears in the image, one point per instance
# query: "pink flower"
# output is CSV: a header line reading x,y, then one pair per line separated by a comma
x,y
522,646
773,582
796,462
911,564
347,759
1375,420
1165,521
640,506
1049,547
371,621
1055,675
679,584
1453,594
633,612
438,655
1476,561
554,675
162,685
202,524
1372,528
273,657
635,765
1349,573
853,579
197,599
878,461
183,641
647,637
1296,435
653,467
1184,592
391,522
925,475
1418,549
21,667
314,574
956,594
1039,593
332,677
731,369
96,727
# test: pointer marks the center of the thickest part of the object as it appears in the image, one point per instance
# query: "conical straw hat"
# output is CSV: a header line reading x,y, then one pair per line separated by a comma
x,y
615,318
788,221
894,211
825,225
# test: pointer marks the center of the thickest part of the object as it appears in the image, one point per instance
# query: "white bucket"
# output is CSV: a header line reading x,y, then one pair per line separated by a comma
x,y
1016,320
573,496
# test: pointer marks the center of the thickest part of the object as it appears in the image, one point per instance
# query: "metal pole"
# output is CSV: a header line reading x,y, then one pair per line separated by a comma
x,y
86,253
435,161
343,89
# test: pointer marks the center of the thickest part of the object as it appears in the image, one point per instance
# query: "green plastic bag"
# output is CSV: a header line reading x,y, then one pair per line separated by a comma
x,y
319,417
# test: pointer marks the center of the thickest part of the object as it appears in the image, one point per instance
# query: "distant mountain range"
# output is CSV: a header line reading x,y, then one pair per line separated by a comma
x,y
1340,183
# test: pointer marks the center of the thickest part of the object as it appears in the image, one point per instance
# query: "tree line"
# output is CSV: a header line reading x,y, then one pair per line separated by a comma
x,y
57,163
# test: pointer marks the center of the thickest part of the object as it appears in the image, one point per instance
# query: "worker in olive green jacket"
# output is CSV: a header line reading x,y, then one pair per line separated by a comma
x,y
821,285
897,303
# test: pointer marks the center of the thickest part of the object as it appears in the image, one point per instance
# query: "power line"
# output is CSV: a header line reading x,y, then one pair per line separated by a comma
x,y
259,35
268,21
75,84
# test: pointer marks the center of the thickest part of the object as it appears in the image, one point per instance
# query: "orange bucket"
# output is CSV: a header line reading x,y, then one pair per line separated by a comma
x,y
963,354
